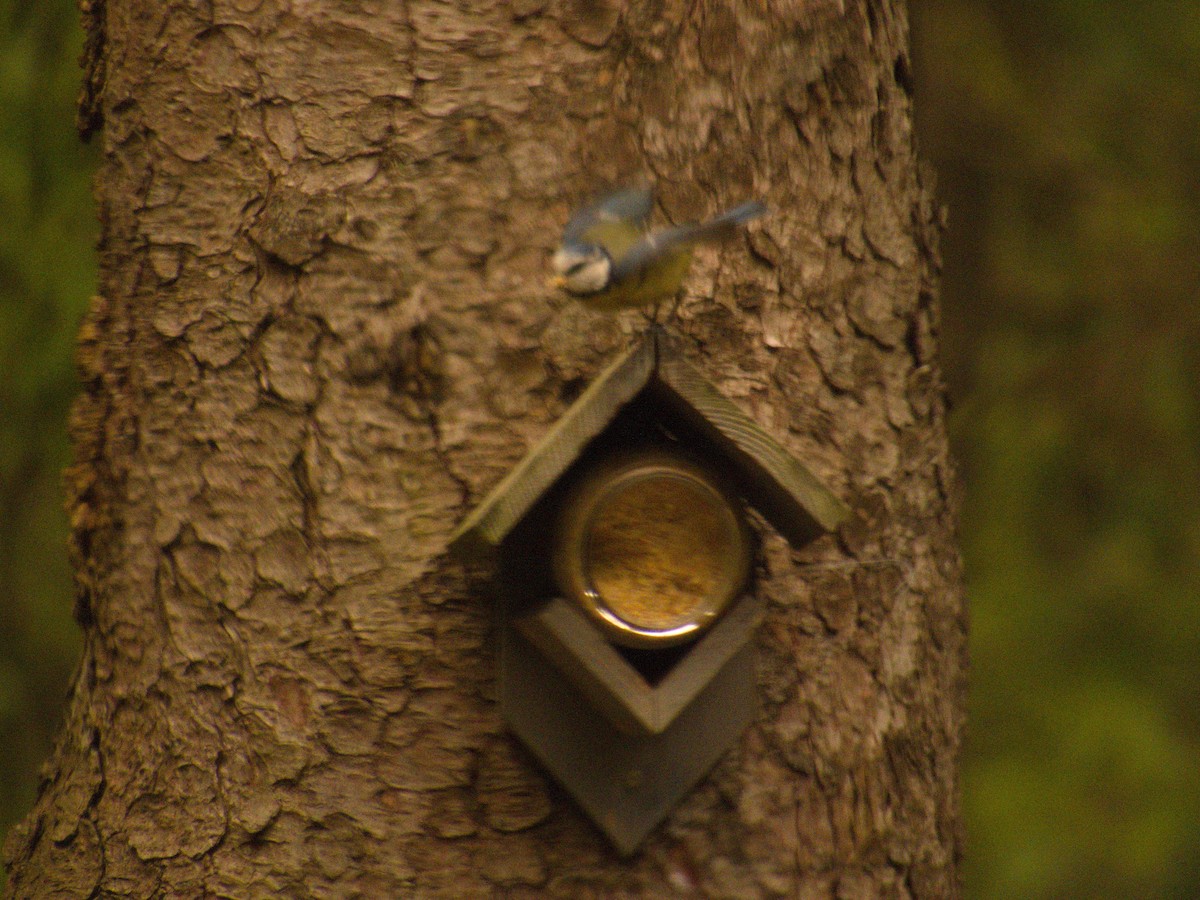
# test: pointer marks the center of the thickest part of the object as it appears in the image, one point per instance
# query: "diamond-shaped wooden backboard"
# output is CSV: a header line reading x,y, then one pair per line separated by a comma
x,y
626,781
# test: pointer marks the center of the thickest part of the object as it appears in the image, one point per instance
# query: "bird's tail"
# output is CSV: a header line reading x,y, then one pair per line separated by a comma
x,y
727,222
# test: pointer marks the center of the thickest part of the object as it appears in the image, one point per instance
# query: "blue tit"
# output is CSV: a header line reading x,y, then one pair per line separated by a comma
x,y
611,261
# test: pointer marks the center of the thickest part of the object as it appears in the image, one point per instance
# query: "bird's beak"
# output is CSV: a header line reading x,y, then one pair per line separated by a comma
x,y
556,281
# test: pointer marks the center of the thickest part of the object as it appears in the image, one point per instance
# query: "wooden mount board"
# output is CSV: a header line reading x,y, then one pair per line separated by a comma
x,y
628,746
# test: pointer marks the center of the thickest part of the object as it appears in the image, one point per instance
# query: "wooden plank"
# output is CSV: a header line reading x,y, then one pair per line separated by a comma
x,y
578,648
714,650
773,480
492,520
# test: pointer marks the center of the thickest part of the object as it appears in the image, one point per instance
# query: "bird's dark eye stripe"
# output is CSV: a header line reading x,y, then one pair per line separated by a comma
x,y
575,267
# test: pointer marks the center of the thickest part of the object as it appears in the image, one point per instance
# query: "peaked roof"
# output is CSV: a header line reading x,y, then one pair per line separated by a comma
x,y
770,478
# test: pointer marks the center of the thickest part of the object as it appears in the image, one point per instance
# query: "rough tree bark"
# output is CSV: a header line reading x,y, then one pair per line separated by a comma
x,y
322,334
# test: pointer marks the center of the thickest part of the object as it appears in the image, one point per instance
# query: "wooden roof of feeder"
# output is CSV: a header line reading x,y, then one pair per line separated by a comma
x,y
769,478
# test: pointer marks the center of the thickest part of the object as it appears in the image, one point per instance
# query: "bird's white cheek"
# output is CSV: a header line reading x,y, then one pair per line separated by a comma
x,y
559,262
593,278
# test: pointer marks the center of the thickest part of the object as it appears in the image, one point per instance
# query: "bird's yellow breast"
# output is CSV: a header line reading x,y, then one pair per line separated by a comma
x,y
660,281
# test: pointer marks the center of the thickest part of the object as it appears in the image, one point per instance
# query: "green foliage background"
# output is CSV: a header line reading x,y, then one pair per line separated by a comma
x,y
1067,140
47,273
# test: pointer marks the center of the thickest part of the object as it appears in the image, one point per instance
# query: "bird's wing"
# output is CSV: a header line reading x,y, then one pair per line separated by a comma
x,y
642,253
617,238
630,207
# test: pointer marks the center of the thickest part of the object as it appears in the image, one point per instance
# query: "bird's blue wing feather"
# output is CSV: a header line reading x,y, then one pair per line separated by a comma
x,y
655,246
630,205
650,248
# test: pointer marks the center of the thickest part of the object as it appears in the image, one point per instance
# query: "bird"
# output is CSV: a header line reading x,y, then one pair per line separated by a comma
x,y
609,259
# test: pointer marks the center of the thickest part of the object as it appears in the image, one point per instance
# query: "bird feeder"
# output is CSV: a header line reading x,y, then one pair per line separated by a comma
x,y
622,550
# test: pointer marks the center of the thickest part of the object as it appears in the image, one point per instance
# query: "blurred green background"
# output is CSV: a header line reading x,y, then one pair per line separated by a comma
x,y
1067,141
1066,137
47,273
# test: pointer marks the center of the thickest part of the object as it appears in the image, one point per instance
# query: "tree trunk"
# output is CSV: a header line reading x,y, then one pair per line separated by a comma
x,y
322,334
